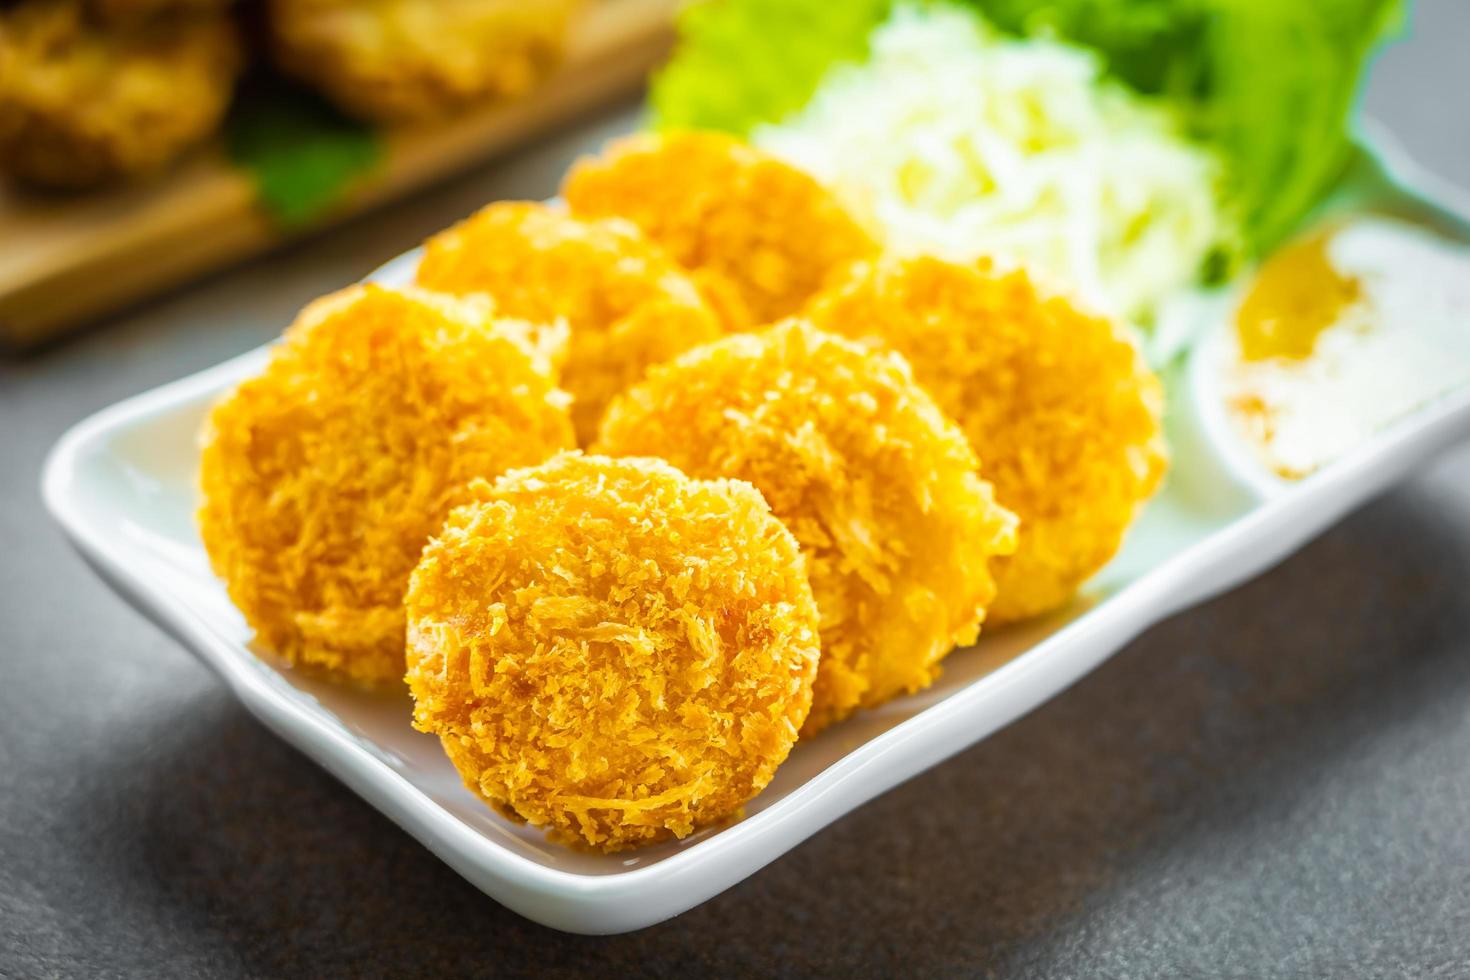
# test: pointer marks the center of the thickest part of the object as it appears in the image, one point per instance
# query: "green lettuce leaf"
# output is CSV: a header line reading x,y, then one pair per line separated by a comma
x,y
1270,84
303,154
744,62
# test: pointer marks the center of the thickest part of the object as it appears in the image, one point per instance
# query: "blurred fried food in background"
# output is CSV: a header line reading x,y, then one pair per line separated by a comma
x,y
412,59
133,12
82,104
97,91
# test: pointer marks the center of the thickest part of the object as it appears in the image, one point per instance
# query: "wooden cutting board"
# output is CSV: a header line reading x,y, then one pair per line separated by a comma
x,y
64,261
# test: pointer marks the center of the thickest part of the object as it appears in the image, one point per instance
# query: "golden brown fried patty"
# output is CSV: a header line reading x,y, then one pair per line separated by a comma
x,y
408,59
627,304
760,234
1059,404
612,650
879,487
81,105
324,476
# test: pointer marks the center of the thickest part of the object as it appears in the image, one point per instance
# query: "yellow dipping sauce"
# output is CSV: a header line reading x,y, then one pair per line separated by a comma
x,y
1298,293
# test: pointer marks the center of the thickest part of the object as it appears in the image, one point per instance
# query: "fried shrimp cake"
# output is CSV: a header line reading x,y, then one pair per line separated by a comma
x,y
627,304
611,650
81,105
880,489
761,235
1058,403
324,476
394,60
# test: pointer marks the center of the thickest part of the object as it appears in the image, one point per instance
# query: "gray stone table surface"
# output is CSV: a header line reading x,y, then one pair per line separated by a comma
x,y
1272,785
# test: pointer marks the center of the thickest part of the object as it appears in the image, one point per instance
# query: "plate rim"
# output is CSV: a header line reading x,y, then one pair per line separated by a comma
x,y
641,896
940,730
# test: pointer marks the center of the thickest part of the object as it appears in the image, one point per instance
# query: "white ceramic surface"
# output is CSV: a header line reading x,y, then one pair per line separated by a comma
x,y
122,485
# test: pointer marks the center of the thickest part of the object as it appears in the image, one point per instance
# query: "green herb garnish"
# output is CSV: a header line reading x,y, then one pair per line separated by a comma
x,y
303,153
1269,84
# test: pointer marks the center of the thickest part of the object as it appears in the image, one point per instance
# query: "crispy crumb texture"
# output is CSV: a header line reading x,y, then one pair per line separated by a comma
x,y
627,304
324,477
879,487
761,234
611,650
1059,404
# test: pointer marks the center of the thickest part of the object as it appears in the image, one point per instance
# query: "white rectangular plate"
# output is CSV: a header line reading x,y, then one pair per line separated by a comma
x,y
122,485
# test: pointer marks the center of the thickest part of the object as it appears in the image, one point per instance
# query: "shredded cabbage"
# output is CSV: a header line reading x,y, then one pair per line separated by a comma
x,y
957,140
1269,84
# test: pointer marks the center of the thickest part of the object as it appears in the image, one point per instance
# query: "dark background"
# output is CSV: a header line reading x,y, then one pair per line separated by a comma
x,y
1272,785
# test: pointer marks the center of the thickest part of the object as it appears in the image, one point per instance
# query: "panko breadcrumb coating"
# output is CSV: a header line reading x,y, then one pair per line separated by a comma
x,y
81,105
879,487
612,650
627,304
1059,404
393,60
760,234
324,477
